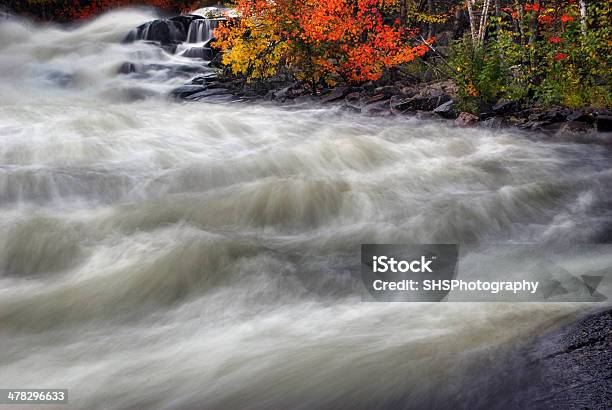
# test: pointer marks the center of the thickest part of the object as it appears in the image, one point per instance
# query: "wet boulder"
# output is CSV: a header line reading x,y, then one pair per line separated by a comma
x,y
283,94
550,116
377,108
494,122
162,31
185,21
506,107
204,53
127,68
604,123
212,95
573,127
466,119
335,95
580,116
185,91
447,110
427,101
203,79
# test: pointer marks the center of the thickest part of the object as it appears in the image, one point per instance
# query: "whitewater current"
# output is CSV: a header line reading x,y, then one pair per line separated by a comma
x,y
155,254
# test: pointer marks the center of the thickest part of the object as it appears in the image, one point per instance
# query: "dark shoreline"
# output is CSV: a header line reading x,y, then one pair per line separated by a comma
x,y
434,101
571,367
568,367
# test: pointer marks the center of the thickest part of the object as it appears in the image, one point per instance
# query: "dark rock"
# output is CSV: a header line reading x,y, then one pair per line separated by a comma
x,y
377,108
570,368
466,119
350,108
375,98
174,69
353,97
422,103
127,68
534,117
187,90
269,96
208,94
387,90
369,86
604,123
185,21
494,122
555,115
515,121
203,79
205,53
161,31
435,93
283,93
600,111
533,125
402,105
335,95
580,116
447,110
573,127
486,115
550,116
506,107
426,115
554,127
409,91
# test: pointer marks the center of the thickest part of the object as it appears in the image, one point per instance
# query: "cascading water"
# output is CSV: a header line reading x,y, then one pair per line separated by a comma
x,y
201,31
164,255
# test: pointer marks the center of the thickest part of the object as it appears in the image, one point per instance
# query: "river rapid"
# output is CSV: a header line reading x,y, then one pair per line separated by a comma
x,y
163,255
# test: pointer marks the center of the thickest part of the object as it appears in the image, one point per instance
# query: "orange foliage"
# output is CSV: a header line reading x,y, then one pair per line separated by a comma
x,y
68,10
80,12
330,40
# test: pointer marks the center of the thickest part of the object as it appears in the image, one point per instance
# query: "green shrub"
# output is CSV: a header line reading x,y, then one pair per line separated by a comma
x,y
542,55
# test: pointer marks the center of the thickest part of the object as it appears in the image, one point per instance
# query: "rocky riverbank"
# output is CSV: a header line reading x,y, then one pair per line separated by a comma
x,y
191,36
572,367
437,100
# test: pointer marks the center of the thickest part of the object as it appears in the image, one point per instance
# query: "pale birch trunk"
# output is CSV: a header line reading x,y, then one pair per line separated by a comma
x,y
583,17
478,28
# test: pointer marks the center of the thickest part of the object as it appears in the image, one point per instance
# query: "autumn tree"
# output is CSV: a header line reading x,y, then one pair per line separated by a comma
x,y
69,10
315,40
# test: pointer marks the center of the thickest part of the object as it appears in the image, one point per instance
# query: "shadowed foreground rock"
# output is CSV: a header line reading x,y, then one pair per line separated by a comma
x,y
573,366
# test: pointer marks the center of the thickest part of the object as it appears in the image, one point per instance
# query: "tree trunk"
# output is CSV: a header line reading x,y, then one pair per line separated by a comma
x,y
470,7
583,17
431,9
457,22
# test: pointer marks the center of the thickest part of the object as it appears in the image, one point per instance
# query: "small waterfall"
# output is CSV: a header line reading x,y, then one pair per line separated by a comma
x,y
201,30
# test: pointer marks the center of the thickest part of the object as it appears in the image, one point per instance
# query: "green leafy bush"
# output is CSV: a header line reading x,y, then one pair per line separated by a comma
x,y
547,55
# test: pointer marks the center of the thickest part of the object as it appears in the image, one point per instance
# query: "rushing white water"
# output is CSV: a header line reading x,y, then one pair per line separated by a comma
x,y
201,30
164,255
